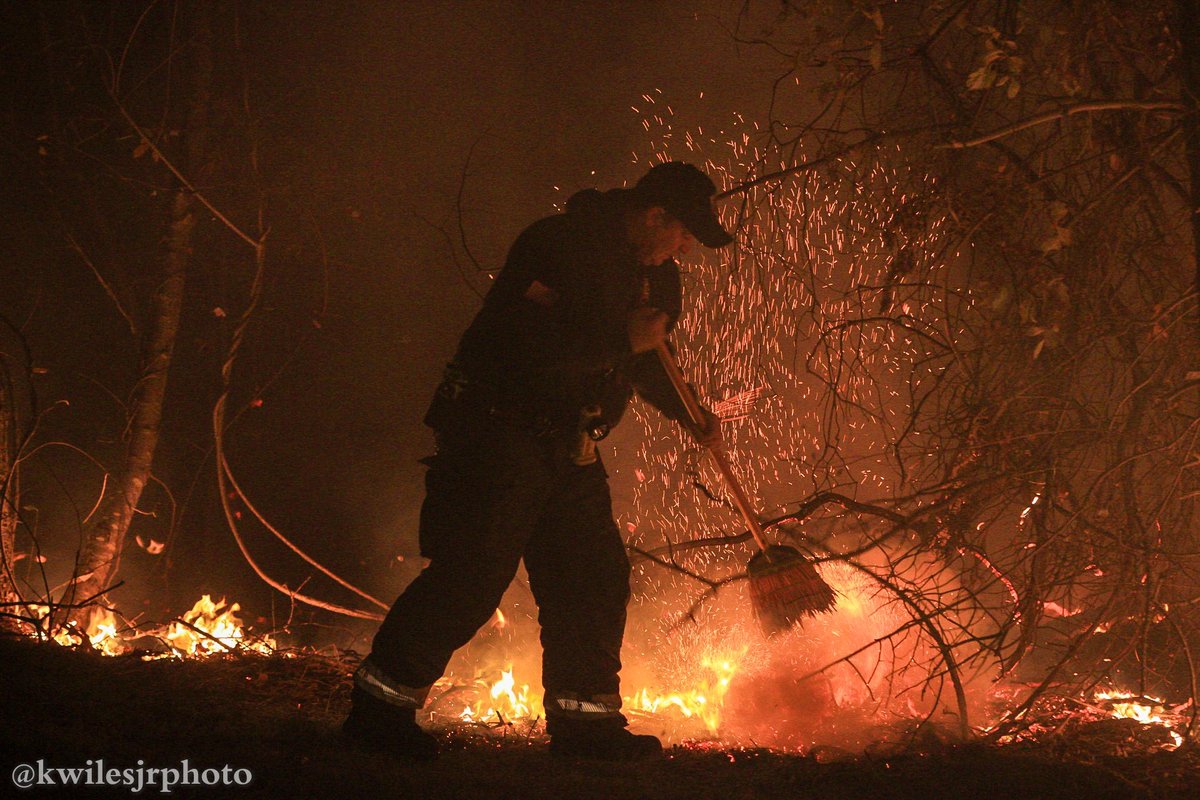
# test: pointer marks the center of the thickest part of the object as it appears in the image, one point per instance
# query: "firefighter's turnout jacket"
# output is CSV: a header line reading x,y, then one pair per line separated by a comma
x,y
551,338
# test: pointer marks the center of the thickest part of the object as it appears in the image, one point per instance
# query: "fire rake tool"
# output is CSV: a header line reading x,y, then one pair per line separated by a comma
x,y
785,587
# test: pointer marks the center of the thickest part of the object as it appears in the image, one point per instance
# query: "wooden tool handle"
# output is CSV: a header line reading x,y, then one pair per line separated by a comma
x,y
696,414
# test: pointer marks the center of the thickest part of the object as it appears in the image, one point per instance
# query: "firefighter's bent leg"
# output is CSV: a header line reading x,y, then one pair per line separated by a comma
x,y
481,505
579,574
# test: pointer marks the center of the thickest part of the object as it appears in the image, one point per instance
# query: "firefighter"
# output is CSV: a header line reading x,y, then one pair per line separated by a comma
x,y
566,334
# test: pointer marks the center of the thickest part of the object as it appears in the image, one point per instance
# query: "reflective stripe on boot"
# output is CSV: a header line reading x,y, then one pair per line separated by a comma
x,y
375,682
573,706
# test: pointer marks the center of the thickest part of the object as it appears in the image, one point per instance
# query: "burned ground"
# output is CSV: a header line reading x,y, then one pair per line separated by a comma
x,y
279,718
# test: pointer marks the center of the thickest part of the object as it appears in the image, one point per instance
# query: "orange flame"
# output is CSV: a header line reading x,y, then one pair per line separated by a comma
x,y
704,701
503,702
213,628
210,628
1127,705
101,631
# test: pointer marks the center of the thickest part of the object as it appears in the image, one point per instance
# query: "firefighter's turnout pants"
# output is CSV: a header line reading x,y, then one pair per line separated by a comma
x,y
497,492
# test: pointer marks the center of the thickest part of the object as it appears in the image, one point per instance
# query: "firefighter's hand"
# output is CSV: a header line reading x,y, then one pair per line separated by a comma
x,y
647,329
711,435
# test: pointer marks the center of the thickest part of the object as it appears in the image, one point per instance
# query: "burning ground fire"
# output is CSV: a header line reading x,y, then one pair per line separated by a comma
x,y
729,687
208,628
505,702
1129,719
678,704
700,690
703,702
1144,710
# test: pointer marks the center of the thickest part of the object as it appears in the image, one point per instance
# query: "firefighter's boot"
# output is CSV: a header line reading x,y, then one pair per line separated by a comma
x,y
387,727
603,740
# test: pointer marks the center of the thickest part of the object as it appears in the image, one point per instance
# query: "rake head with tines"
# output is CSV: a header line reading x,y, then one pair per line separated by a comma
x,y
785,587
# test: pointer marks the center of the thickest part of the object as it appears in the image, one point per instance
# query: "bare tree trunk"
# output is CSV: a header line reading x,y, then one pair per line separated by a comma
x,y
101,553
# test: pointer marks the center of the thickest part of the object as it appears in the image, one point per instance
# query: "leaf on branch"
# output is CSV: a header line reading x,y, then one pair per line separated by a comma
x,y
1025,309
982,78
1060,238
1058,211
999,67
141,149
1061,234
876,16
1000,301
1052,609
1057,289
1049,336
877,55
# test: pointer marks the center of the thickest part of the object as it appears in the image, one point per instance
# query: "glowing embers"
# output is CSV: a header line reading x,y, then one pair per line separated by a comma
x,y
1111,722
1142,709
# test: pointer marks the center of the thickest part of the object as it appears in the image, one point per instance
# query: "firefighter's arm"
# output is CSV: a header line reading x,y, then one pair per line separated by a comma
x,y
647,373
564,324
647,327
652,385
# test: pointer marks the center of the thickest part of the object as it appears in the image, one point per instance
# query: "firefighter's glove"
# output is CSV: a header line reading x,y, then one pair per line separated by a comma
x,y
710,436
647,329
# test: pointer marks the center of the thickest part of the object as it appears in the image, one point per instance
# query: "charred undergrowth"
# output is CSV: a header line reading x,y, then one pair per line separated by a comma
x,y
279,718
